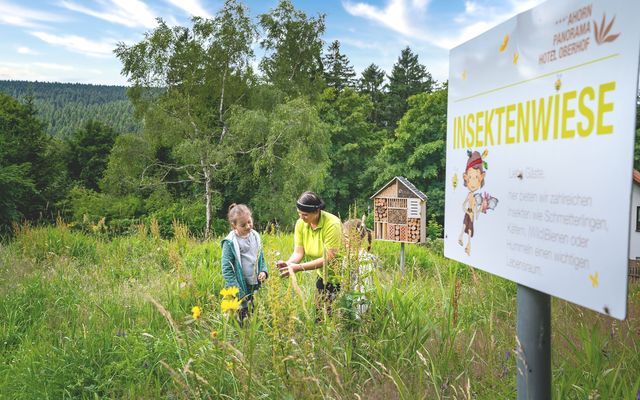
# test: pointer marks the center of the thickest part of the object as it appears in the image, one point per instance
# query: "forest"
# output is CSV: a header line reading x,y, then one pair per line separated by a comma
x,y
198,129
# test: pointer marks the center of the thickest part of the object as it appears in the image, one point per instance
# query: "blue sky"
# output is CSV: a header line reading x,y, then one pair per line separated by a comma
x,y
73,40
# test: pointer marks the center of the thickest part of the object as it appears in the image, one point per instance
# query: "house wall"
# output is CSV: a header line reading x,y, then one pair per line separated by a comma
x,y
634,237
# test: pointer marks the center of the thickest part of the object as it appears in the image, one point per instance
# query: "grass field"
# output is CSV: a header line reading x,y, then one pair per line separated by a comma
x,y
85,316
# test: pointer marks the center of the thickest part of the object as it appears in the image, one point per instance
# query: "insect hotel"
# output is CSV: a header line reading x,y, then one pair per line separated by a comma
x,y
400,212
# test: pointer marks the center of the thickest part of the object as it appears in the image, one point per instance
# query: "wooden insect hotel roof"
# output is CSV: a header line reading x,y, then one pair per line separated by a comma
x,y
405,183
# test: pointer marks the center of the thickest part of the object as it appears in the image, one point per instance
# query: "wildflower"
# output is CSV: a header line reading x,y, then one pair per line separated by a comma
x,y
230,305
230,291
229,364
196,311
214,334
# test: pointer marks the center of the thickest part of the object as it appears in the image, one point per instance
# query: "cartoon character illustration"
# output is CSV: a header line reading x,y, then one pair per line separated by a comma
x,y
474,203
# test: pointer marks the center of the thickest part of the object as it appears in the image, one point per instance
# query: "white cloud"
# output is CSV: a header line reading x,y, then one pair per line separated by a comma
x,y
27,51
79,44
48,72
11,14
52,66
407,16
131,13
360,44
470,7
192,7
395,16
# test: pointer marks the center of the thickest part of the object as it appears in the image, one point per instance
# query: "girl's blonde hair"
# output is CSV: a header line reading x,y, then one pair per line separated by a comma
x,y
356,228
235,211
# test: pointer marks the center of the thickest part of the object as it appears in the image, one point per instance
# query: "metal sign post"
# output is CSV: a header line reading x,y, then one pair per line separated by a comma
x,y
534,344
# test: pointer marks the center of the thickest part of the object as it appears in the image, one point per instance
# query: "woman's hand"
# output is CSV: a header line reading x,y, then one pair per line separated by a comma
x,y
262,276
283,267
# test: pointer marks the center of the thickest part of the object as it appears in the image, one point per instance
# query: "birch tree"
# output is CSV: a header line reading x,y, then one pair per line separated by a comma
x,y
183,81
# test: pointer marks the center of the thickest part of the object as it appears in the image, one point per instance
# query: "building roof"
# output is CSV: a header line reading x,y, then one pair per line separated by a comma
x,y
406,183
636,176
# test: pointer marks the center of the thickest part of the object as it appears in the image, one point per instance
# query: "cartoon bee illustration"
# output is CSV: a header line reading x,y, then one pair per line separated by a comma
x,y
454,181
558,82
594,279
505,42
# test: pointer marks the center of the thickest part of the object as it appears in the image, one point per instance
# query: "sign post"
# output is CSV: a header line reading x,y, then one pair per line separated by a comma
x,y
533,356
540,138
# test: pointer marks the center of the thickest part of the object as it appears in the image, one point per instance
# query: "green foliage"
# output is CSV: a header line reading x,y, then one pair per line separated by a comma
x,y
339,73
418,151
126,165
17,188
88,207
202,70
354,144
64,108
285,153
87,153
187,212
29,161
293,45
408,77
434,229
371,84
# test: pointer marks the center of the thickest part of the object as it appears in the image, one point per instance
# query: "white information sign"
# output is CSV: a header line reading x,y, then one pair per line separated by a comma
x,y
540,138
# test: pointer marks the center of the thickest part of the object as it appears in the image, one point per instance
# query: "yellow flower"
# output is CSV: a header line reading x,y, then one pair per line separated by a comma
x,y
230,305
214,334
196,311
230,291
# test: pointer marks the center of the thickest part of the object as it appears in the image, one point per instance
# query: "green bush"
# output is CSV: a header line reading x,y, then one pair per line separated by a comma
x,y
434,229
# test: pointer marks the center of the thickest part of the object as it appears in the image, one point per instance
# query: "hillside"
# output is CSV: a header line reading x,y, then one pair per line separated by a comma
x,y
64,107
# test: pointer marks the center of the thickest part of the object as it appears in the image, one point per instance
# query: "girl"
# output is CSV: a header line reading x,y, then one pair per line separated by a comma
x,y
243,264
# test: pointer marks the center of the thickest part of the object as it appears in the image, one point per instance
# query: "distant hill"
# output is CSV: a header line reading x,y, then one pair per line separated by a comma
x,y
64,107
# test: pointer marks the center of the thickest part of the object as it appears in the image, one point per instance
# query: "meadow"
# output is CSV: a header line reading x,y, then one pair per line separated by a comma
x,y
84,315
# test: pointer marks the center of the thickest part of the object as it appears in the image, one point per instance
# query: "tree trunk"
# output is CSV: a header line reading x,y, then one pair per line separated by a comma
x,y
220,111
207,195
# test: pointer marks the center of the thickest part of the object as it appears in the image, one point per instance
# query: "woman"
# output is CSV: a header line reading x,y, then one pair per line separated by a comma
x,y
316,241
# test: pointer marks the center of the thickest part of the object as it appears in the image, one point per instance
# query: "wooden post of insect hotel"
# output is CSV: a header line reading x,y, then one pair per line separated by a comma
x,y
399,214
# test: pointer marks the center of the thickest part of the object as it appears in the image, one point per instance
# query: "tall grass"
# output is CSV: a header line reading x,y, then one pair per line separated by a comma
x,y
91,317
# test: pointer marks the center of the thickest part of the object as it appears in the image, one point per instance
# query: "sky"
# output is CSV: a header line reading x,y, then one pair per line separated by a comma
x,y
73,40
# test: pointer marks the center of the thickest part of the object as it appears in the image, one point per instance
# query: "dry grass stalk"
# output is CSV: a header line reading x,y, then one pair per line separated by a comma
x,y
296,287
166,314
175,375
